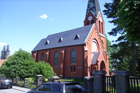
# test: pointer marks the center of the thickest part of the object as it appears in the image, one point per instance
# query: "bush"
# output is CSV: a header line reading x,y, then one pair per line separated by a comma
x,y
44,69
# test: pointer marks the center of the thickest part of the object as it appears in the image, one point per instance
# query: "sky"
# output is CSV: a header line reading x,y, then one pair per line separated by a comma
x,y
23,23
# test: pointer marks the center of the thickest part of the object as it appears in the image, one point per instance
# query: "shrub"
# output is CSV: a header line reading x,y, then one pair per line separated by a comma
x,y
44,69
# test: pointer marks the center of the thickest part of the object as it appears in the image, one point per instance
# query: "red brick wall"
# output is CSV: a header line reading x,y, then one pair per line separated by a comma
x,y
2,61
67,60
90,22
102,46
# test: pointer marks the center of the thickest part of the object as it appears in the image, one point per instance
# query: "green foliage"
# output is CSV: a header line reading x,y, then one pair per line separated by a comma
x,y
109,49
128,18
20,64
74,80
30,79
44,69
125,17
108,46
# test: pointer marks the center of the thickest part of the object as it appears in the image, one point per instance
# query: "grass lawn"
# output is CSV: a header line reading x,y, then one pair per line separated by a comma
x,y
32,84
74,80
21,83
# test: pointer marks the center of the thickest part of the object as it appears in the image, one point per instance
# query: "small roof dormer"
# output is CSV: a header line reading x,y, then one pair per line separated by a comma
x,y
47,42
60,40
77,37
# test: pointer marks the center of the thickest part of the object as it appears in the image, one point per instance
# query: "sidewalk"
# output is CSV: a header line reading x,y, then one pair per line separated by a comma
x,y
21,89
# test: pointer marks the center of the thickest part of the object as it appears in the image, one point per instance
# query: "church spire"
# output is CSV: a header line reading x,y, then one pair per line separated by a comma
x,y
93,9
8,48
93,6
4,48
5,52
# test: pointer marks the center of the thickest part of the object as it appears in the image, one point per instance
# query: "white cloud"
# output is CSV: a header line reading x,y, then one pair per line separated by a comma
x,y
2,44
43,16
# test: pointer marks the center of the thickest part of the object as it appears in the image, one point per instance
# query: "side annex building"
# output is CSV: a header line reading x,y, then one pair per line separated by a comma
x,y
77,52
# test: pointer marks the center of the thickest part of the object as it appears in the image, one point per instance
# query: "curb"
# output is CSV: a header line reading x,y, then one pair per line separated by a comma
x,y
20,89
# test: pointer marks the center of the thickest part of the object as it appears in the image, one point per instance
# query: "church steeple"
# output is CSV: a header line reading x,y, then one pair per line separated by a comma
x,y
93,6
93,9
5,52
8,48
3,48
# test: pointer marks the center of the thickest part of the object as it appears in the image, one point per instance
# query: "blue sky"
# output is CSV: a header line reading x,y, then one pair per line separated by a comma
x,y
23,23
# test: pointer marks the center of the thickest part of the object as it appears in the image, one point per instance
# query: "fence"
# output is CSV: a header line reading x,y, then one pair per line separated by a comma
x,y
28,82
110,84
134,84
120,83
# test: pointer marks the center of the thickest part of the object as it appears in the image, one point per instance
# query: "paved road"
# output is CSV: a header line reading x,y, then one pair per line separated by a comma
x,y
15,89
10,91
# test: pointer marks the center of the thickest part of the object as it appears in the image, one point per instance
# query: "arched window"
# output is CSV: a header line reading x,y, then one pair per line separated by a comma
x,y
92,21
94,46
42,57
56,58
73,56
102,28
87,22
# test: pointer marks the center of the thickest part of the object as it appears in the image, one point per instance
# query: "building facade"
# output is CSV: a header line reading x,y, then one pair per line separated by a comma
x,y
78,52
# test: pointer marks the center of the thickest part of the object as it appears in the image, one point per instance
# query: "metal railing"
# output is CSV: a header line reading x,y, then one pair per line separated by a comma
x,y
134,84
110,84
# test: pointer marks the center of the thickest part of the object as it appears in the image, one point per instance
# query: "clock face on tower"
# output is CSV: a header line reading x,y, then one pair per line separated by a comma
x,y
90,18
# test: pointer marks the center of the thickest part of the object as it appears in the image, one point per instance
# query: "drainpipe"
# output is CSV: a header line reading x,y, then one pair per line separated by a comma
x,y
83,62
64,63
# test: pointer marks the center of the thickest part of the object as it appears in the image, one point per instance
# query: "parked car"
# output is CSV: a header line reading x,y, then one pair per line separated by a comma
x,y
59,87
6,83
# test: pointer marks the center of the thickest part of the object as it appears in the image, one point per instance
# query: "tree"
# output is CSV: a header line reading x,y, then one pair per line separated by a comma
x,y
128,18
109,52
125,16
20,64
44,69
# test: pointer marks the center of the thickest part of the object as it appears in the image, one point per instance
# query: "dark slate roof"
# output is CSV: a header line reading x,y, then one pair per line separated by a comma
x,y
93,6
95,58
68,38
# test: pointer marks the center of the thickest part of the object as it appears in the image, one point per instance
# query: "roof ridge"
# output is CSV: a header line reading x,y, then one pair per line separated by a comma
x,y
69,30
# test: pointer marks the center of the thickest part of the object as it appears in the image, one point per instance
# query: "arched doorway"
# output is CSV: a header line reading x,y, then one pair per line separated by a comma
x,y
94,56
102,66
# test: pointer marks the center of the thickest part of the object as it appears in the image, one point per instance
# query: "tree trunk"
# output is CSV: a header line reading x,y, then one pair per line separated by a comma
x,y
133,66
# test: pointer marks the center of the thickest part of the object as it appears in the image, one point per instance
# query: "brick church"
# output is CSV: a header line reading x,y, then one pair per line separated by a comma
x,y
77,52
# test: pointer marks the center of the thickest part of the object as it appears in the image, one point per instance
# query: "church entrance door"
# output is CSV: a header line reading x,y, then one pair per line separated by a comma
x,y
102,66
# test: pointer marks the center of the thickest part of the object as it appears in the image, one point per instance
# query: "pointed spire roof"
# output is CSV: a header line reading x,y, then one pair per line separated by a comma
x,y
7,48
93,6
4,48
